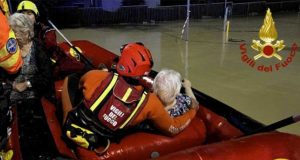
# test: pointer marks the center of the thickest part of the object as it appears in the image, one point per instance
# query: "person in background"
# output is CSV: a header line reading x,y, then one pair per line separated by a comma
x,y
28,86
61,63
45,34
167,85
10,63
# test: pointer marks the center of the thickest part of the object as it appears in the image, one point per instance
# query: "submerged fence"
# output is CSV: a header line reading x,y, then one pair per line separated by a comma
x,y
77,16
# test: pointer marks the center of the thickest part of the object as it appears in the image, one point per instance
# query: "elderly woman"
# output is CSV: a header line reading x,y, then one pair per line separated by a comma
x,y
29,84
35,75
43,33
167,85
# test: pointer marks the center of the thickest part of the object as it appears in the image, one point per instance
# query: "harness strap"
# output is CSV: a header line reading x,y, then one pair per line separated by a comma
x,y
102,98
84,136
79,135
135,110
105,93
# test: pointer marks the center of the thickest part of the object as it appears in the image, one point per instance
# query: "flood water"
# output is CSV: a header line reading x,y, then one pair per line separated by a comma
x,y
215,67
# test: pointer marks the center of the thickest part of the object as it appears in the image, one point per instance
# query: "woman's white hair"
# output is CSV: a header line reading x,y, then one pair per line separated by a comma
x,y
20,22
166,85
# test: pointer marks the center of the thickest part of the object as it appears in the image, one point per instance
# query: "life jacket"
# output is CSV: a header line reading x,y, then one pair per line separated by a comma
x,y
10,57
105,116
115,102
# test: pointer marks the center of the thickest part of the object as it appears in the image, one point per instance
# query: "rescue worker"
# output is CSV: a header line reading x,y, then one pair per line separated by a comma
x,y
104,94
10,63
44,33
62,64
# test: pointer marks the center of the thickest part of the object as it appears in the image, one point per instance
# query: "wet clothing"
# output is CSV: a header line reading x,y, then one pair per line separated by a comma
x,y
182,105
153,111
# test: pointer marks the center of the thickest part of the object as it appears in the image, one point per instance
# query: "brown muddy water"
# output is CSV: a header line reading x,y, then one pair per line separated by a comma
x,y
216,68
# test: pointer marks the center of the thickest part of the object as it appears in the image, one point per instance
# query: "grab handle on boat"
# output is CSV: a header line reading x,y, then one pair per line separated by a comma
x,y
278,124
80,56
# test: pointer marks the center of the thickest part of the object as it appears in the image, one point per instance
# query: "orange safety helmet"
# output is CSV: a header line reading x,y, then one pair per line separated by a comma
x,y
10,57
135,60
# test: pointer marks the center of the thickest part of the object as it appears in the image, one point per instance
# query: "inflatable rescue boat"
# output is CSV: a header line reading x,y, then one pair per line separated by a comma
x,y
217,132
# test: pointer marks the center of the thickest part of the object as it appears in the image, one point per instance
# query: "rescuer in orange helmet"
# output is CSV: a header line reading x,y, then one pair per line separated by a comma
x,y
10,63
117,101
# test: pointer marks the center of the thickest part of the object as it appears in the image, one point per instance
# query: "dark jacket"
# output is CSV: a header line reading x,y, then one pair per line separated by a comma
x,y
42,83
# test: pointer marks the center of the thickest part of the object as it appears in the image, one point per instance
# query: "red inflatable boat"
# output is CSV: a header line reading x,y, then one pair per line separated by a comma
x,y
217,132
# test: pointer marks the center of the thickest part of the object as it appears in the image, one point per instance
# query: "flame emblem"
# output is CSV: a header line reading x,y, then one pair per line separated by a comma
x,y
268,34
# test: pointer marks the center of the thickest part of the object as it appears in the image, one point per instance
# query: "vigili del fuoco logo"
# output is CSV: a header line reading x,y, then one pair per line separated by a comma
x,y
267,48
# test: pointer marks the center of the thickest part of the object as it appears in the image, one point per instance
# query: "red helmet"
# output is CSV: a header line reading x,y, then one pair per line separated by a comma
x,y
135,60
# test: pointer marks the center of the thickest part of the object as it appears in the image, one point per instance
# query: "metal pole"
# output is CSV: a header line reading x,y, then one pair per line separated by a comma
x,y
186,66
188,19
79,54
225,15
58,31
187,38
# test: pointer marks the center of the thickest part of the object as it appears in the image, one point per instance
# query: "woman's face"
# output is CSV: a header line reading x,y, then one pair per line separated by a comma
x,y
30,14
22,37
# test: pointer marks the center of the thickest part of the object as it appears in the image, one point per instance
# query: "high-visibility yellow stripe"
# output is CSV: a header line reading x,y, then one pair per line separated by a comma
x,y
135,110
11,62
125,97
5,8
79,139
4,55
104,94
85,130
